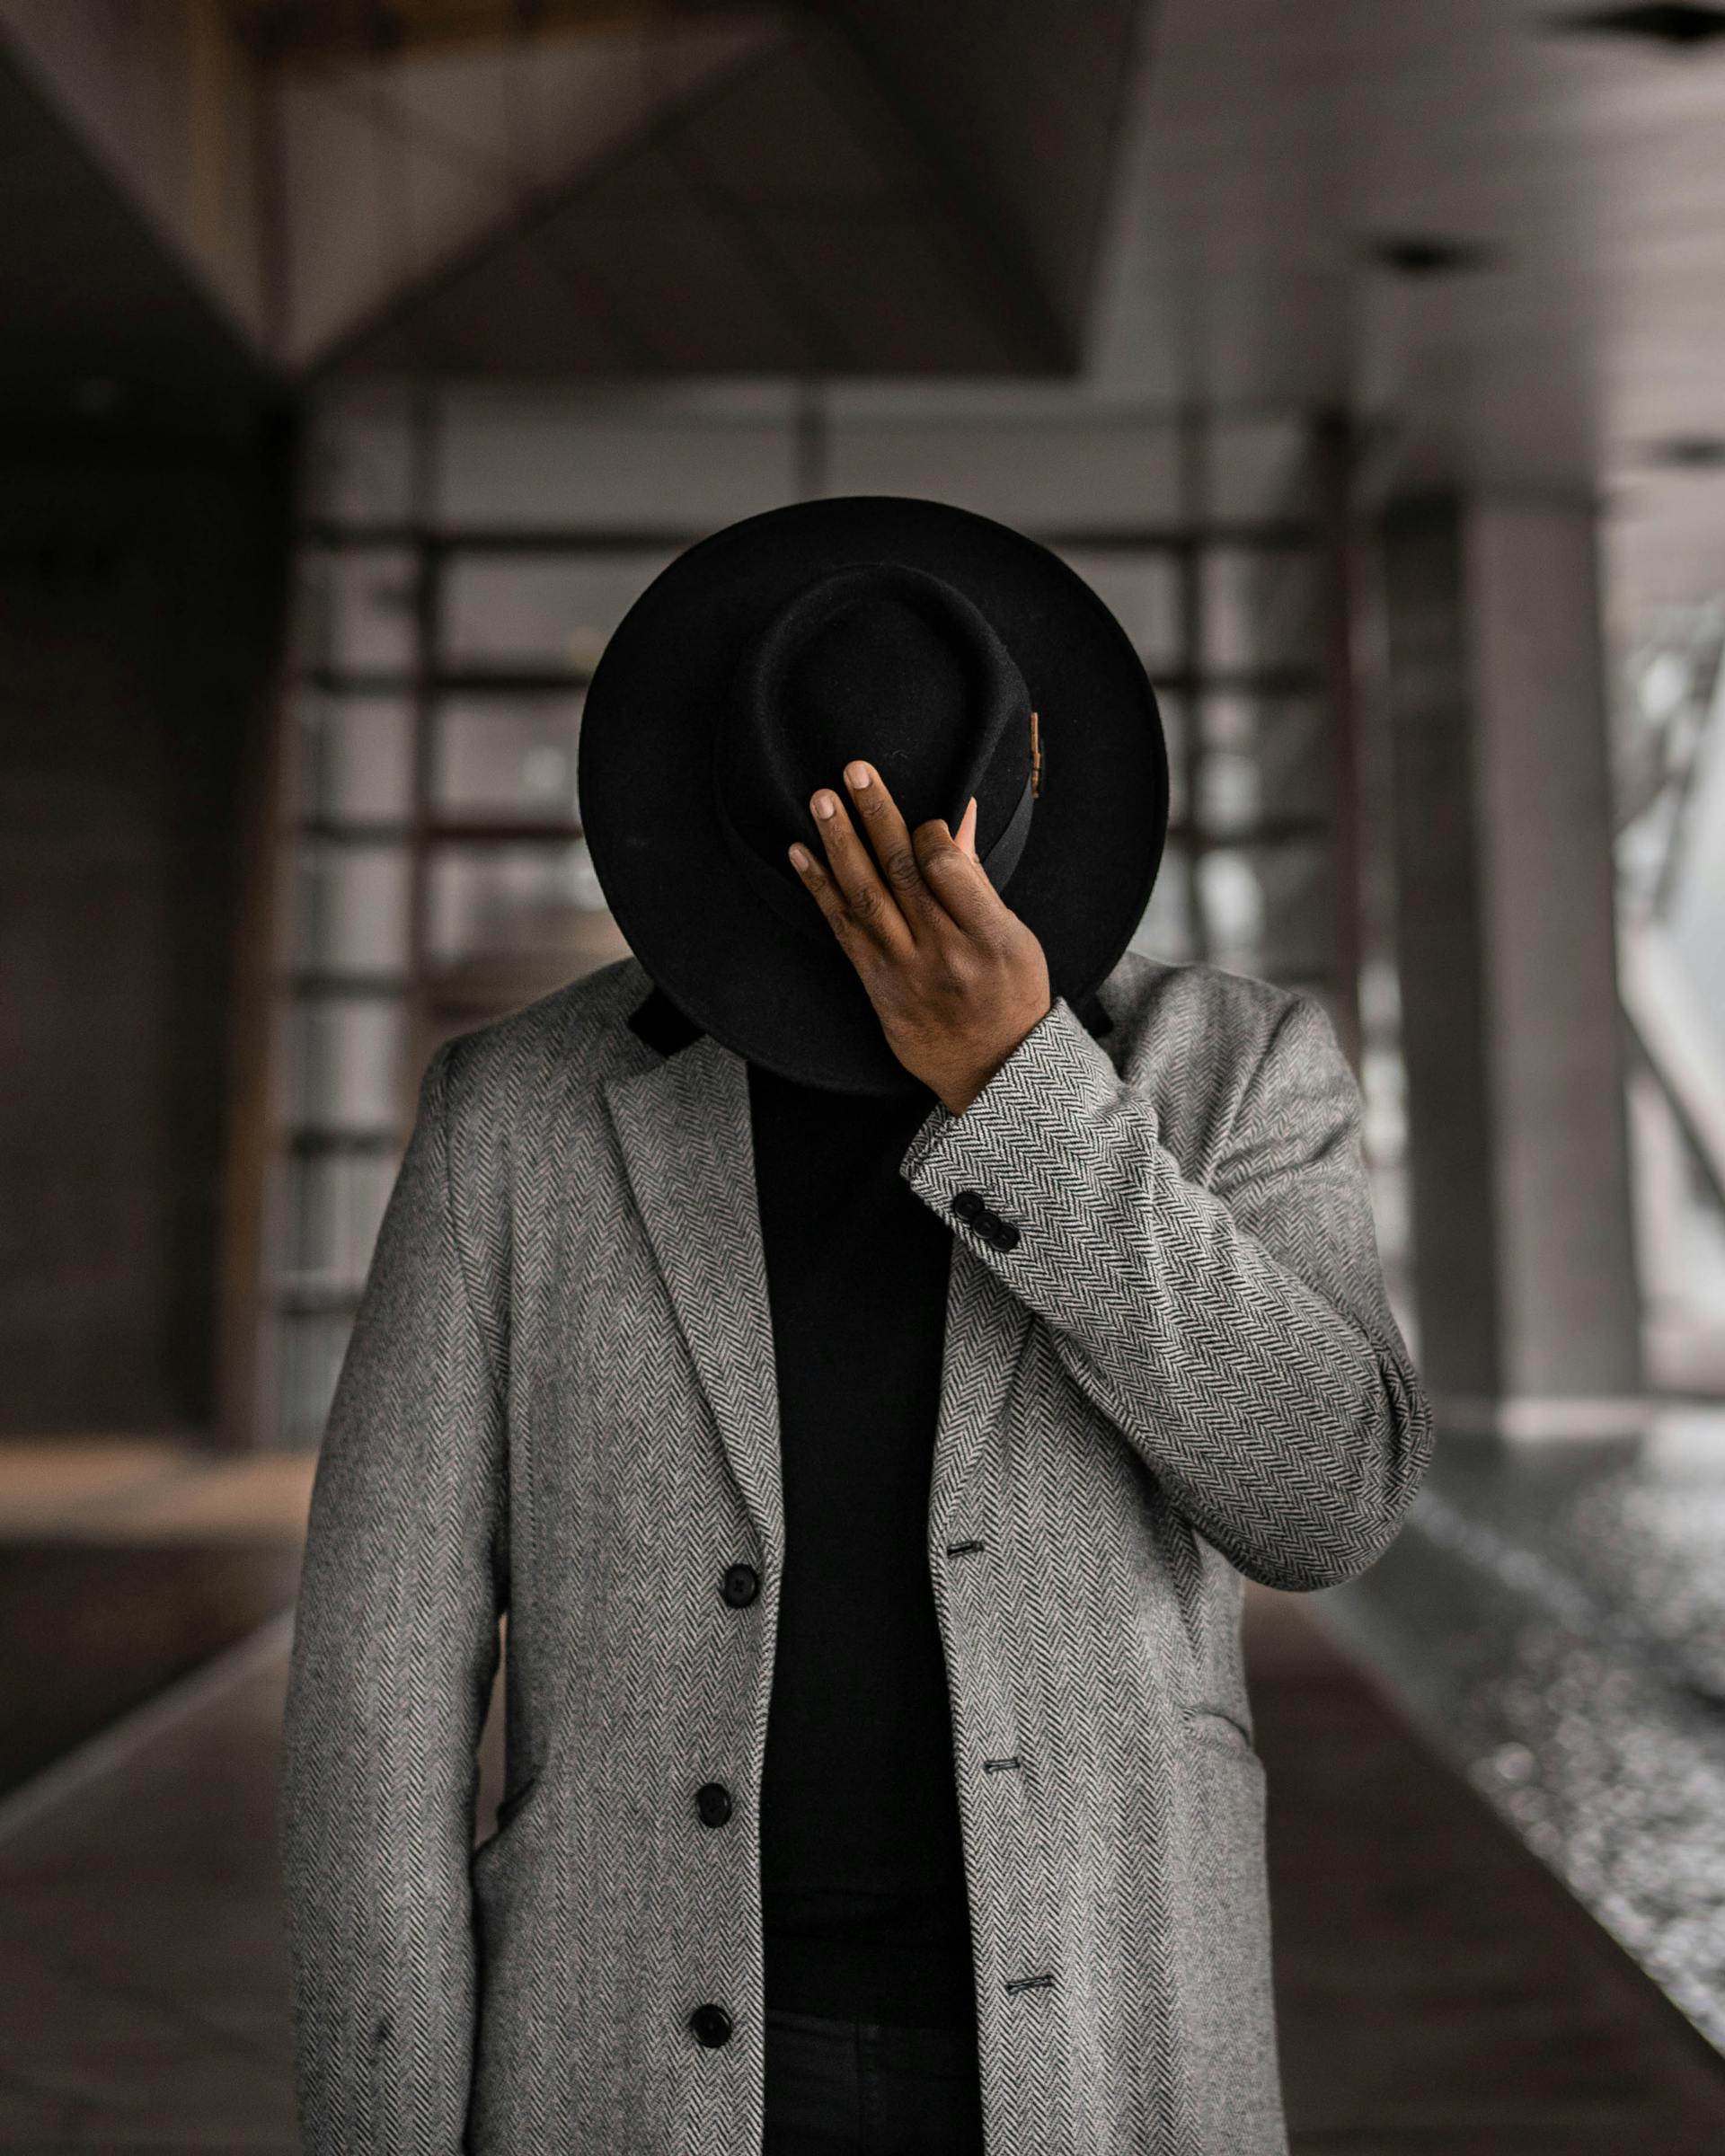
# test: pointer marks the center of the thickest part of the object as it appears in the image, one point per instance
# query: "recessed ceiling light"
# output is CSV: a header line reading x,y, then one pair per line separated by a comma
x,y
1689,453
1660,22
1426,254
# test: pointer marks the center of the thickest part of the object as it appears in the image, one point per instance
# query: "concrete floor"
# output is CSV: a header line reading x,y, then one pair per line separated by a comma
x,y
128,1562
1441,1993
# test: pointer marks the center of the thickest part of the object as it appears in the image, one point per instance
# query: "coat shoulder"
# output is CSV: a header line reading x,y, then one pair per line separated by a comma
x,y
1214,1017
576,1036
1189,1037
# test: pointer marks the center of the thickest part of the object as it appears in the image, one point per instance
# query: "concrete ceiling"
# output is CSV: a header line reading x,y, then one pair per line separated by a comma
x,y
1499,241
781,220
875,188
1273,147
315,34
104,324
571,187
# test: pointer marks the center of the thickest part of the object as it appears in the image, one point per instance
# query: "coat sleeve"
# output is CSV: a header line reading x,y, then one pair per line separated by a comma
x,y
1237,1332
395,1646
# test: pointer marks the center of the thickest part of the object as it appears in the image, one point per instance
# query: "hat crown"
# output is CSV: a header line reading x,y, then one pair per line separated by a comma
x,y
880,659
896,666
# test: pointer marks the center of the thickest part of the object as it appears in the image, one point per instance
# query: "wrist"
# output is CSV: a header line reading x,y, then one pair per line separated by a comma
x,y
956,1097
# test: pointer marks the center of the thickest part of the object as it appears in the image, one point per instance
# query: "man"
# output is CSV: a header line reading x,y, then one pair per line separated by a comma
x,y
1050,1310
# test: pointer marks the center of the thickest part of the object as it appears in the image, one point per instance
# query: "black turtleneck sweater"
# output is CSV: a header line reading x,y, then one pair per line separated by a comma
x,y
862,1864
862,1869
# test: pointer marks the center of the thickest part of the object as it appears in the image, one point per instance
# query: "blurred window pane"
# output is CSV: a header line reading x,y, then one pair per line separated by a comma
x,y
589,462
1257,469
1295,883
344,1063
1281,738
358,462
1257,607
1233,898
1142,592
334,1206
530,610
1166,930
1229,797
357,758
498,901
357,609
1068,473
1265,909
1294,757
505,756
312,1345
1231,724
354,907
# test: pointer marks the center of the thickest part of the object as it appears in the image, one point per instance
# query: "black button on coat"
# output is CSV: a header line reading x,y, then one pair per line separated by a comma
x,y
741,1585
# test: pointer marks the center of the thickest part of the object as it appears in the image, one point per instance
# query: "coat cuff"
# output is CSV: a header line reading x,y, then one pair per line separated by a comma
x,y
1007,1147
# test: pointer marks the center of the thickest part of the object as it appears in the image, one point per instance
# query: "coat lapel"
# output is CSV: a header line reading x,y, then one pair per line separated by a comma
x,y
683,1126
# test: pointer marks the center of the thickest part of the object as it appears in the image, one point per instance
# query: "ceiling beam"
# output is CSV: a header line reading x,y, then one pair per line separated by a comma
x,y
316,33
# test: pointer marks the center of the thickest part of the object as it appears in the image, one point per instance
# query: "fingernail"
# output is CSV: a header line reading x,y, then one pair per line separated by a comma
x,y
798,858
824,804
857,774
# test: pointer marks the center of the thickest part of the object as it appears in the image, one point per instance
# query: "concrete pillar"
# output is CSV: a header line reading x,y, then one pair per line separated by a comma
x,y
1515,1042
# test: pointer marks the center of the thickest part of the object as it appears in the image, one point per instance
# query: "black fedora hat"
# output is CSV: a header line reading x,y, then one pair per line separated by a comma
x,y
954,654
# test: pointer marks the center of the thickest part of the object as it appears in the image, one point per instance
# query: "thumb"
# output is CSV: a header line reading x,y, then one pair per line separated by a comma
x,y
966,834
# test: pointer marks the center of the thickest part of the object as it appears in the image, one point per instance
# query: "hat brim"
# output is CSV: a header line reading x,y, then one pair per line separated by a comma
x,y
716,949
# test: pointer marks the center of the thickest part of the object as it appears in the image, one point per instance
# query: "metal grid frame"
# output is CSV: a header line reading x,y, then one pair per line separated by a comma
x,y
1312,532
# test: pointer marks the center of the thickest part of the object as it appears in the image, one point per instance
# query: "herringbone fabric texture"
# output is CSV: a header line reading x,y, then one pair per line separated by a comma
x,y
560,1398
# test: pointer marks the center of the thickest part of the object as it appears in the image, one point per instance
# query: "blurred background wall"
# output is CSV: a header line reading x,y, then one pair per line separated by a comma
x,y
473,315
361,362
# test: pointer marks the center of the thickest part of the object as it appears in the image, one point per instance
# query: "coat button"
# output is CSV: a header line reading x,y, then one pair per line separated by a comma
x,y
713,1801
711,2024
742,1584
969,1206
1006,1235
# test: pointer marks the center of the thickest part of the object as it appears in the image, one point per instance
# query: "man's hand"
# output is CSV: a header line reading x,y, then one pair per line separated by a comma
x,y
955,976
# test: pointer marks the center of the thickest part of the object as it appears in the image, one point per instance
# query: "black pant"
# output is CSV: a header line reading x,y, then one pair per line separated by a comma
x,y
868,2089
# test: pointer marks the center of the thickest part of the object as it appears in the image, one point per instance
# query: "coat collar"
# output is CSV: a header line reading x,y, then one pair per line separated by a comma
x,y
683,1126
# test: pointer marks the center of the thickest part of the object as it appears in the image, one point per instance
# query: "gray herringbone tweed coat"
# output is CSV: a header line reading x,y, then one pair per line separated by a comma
x,y
560,1399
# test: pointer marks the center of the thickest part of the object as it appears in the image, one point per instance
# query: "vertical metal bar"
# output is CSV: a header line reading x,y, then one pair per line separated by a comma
x,y
425,447
1333,446
1191,509
248,1347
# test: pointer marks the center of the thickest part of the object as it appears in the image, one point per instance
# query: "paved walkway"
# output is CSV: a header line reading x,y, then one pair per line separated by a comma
x,y
1441,1993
